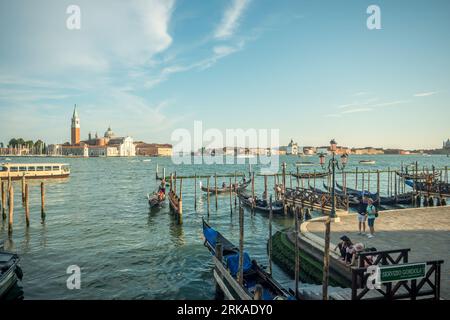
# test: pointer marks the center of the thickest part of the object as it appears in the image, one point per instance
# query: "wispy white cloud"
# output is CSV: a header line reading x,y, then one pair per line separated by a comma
x,y
230,20
357,110
392,103
425,94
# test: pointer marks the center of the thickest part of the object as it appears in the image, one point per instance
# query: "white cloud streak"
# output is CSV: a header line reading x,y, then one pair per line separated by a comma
x,y
425,94
230,20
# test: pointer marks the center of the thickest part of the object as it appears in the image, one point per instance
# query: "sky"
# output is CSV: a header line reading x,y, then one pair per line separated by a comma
x,y
310,68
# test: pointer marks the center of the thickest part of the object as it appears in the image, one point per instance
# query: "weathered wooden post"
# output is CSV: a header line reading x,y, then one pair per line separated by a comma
x,y
395,184
208,197
231,197
235,189
219,256
297,259
180,203
3,201
157,171
42,201
284,177
270,234
290,180
27,206
241,245
23,188
298,179
175,183
356,178
326,259
314,178
10,208
215,186
195,192
171,182
253,191
265,188
378,186
164,173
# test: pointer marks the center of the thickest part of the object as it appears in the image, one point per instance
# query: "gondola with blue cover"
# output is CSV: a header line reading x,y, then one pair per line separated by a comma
x,y
253,273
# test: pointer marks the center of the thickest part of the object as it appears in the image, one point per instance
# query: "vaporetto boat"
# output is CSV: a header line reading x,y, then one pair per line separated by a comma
x,y
16,171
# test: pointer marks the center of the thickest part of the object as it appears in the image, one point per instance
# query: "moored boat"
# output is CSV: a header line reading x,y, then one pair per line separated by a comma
x,y
310,175
260,204
368,162
16,171
253,273
233,188
10,271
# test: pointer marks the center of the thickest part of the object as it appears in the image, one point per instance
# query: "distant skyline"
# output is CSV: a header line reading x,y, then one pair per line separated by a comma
x,y
311,69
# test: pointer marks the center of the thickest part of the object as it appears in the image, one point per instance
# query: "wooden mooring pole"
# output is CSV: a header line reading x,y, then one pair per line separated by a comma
x,y
235,189
23,188
253,192
195,192
3,201
42,201
207,194
241,245
326,259
231,197
270,235
10,208
180,203
27,205
215,186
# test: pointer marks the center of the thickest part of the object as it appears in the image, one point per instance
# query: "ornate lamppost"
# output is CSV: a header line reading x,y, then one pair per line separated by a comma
x,y
331,167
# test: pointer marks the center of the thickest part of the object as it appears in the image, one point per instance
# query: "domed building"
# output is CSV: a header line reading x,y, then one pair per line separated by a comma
x,y
109,133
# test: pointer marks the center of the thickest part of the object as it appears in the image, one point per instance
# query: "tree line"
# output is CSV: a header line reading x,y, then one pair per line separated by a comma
x,y
37,146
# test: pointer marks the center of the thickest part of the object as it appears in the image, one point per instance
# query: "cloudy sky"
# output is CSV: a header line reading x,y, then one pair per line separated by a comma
x,y
309,68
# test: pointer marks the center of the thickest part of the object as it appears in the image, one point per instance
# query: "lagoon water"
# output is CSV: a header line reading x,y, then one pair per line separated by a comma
x,y
99,220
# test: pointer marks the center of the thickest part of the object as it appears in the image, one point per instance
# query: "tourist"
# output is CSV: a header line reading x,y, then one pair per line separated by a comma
x,y
372,214
224,185
345,244
354,252
362,215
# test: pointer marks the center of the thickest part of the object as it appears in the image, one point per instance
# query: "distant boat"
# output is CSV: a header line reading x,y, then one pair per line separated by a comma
x,y
146,160
305,163
367,162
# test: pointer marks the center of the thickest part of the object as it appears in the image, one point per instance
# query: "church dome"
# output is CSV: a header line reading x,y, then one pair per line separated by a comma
x,y
109,133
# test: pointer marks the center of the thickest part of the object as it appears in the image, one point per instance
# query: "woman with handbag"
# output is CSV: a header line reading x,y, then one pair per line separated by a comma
x,y
372,214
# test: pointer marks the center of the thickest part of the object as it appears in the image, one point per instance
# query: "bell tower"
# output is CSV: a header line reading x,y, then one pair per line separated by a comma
x,y
75,128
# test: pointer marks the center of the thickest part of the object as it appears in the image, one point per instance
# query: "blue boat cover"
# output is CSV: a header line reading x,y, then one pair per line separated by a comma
x,y
409,183
233,263
210,236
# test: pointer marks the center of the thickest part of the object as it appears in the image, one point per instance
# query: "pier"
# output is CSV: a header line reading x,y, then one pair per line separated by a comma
x,y
423,233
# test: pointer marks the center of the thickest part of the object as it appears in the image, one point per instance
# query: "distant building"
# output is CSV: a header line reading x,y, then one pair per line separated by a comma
x,y
107,146
292,148
324,150
153,149
367,150
446,145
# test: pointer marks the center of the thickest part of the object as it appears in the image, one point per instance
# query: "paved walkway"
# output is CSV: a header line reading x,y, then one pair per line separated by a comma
x,y
426,231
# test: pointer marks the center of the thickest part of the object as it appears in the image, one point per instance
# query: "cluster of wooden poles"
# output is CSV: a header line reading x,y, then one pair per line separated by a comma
x,y
7,202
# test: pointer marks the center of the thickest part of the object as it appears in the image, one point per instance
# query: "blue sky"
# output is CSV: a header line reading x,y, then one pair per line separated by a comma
x,y
309,68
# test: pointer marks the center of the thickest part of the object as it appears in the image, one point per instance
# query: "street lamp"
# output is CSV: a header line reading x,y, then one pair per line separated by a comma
x,y
332,165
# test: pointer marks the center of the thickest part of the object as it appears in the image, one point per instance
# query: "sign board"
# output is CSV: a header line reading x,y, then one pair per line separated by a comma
x,y
401,272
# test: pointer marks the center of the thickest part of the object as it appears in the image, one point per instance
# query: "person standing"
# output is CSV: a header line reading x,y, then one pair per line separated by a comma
x,y
362,216
372,214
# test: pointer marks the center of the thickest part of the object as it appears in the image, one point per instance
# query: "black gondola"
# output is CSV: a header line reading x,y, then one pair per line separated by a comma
x,y
154,200
356,193
260,204
232,188
253,273
310,175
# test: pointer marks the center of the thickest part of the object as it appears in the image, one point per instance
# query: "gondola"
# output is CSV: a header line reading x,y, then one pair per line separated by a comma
x,y
352,200
418,176
437,187
154,201
356,193
259,204
232,188
253,273
310,175
10,271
